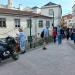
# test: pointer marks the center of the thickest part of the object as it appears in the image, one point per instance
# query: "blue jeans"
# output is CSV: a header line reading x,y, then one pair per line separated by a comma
x,y
22,45
59,39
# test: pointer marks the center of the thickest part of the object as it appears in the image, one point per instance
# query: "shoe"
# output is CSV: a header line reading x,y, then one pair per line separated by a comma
x,y
22,52
44,48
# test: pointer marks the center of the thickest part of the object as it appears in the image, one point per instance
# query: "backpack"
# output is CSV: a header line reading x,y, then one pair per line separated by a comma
x,y
42,34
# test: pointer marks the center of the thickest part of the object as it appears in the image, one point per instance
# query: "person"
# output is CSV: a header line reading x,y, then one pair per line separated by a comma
x,y
22,40
17,45
54,34
62,33
45,37
59,34
73,31
68,34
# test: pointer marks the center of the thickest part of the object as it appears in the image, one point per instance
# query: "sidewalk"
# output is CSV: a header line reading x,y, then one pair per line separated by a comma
x,y
56,60
71,43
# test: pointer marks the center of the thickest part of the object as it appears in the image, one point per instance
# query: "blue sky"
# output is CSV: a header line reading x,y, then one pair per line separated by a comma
x,y
66,4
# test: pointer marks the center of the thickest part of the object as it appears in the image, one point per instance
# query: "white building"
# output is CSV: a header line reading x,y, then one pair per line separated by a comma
x,y
52,10
73,13
36,10
68,20
11,20
9,5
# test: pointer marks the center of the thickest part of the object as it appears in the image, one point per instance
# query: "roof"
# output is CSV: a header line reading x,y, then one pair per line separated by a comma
x,y
22,13
50,3
34,7
68,16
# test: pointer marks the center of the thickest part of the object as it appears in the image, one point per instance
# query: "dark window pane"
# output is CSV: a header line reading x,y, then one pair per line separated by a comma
x,y
47,23
41,23
29,22
2,22
17,22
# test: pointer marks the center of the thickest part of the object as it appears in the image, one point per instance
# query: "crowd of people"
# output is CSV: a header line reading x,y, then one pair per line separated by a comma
x,y
59,33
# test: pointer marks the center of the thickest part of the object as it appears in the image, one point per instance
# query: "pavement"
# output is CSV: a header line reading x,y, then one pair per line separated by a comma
x,y
56,60
71,43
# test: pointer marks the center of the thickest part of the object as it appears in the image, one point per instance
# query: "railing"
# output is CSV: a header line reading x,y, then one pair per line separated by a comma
x,y
38,42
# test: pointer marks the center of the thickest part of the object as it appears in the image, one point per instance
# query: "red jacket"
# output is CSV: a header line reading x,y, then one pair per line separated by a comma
x,y
54,33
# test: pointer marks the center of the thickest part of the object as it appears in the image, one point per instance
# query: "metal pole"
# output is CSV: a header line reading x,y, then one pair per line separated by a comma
x,y
53,18
30,33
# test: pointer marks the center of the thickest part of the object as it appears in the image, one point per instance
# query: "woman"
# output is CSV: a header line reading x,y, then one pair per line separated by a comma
x,y
54,34
22,40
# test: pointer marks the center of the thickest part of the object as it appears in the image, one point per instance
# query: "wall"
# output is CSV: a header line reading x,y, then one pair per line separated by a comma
x,y
12,31
57,13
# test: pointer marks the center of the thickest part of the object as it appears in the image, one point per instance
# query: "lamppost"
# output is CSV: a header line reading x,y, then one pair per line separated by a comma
x,y
30,24
53,18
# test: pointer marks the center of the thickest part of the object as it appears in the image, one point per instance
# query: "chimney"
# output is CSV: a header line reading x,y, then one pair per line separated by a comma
x,y
10,4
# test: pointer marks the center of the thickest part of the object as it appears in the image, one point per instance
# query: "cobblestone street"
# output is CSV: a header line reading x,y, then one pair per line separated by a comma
x,y
56,60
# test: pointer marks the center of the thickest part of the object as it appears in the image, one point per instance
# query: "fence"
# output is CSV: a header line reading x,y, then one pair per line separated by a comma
x,y
38,42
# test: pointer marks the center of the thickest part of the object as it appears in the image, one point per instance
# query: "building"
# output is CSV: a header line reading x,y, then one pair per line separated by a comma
x,y
68,20
36,10
52,10
11,20
9,5
73,13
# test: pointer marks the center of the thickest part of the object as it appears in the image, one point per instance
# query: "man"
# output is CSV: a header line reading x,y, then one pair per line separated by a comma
x,y
45,38
22,40
68,34
59,34
73,31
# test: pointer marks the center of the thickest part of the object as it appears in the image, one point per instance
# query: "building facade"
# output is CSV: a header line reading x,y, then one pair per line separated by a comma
x,y
68,20
73,13
52,10
11,20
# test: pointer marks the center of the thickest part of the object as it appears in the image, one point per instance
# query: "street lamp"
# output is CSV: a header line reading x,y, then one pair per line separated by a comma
x,y
53,18
52,13
30,24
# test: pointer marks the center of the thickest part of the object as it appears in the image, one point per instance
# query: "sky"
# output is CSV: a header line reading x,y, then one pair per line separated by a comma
x,y
66,4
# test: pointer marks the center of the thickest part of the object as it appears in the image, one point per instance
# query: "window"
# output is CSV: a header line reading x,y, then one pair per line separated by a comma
x,y
2,22
17,22
40,23
29,22
69,20
48,24
51,12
